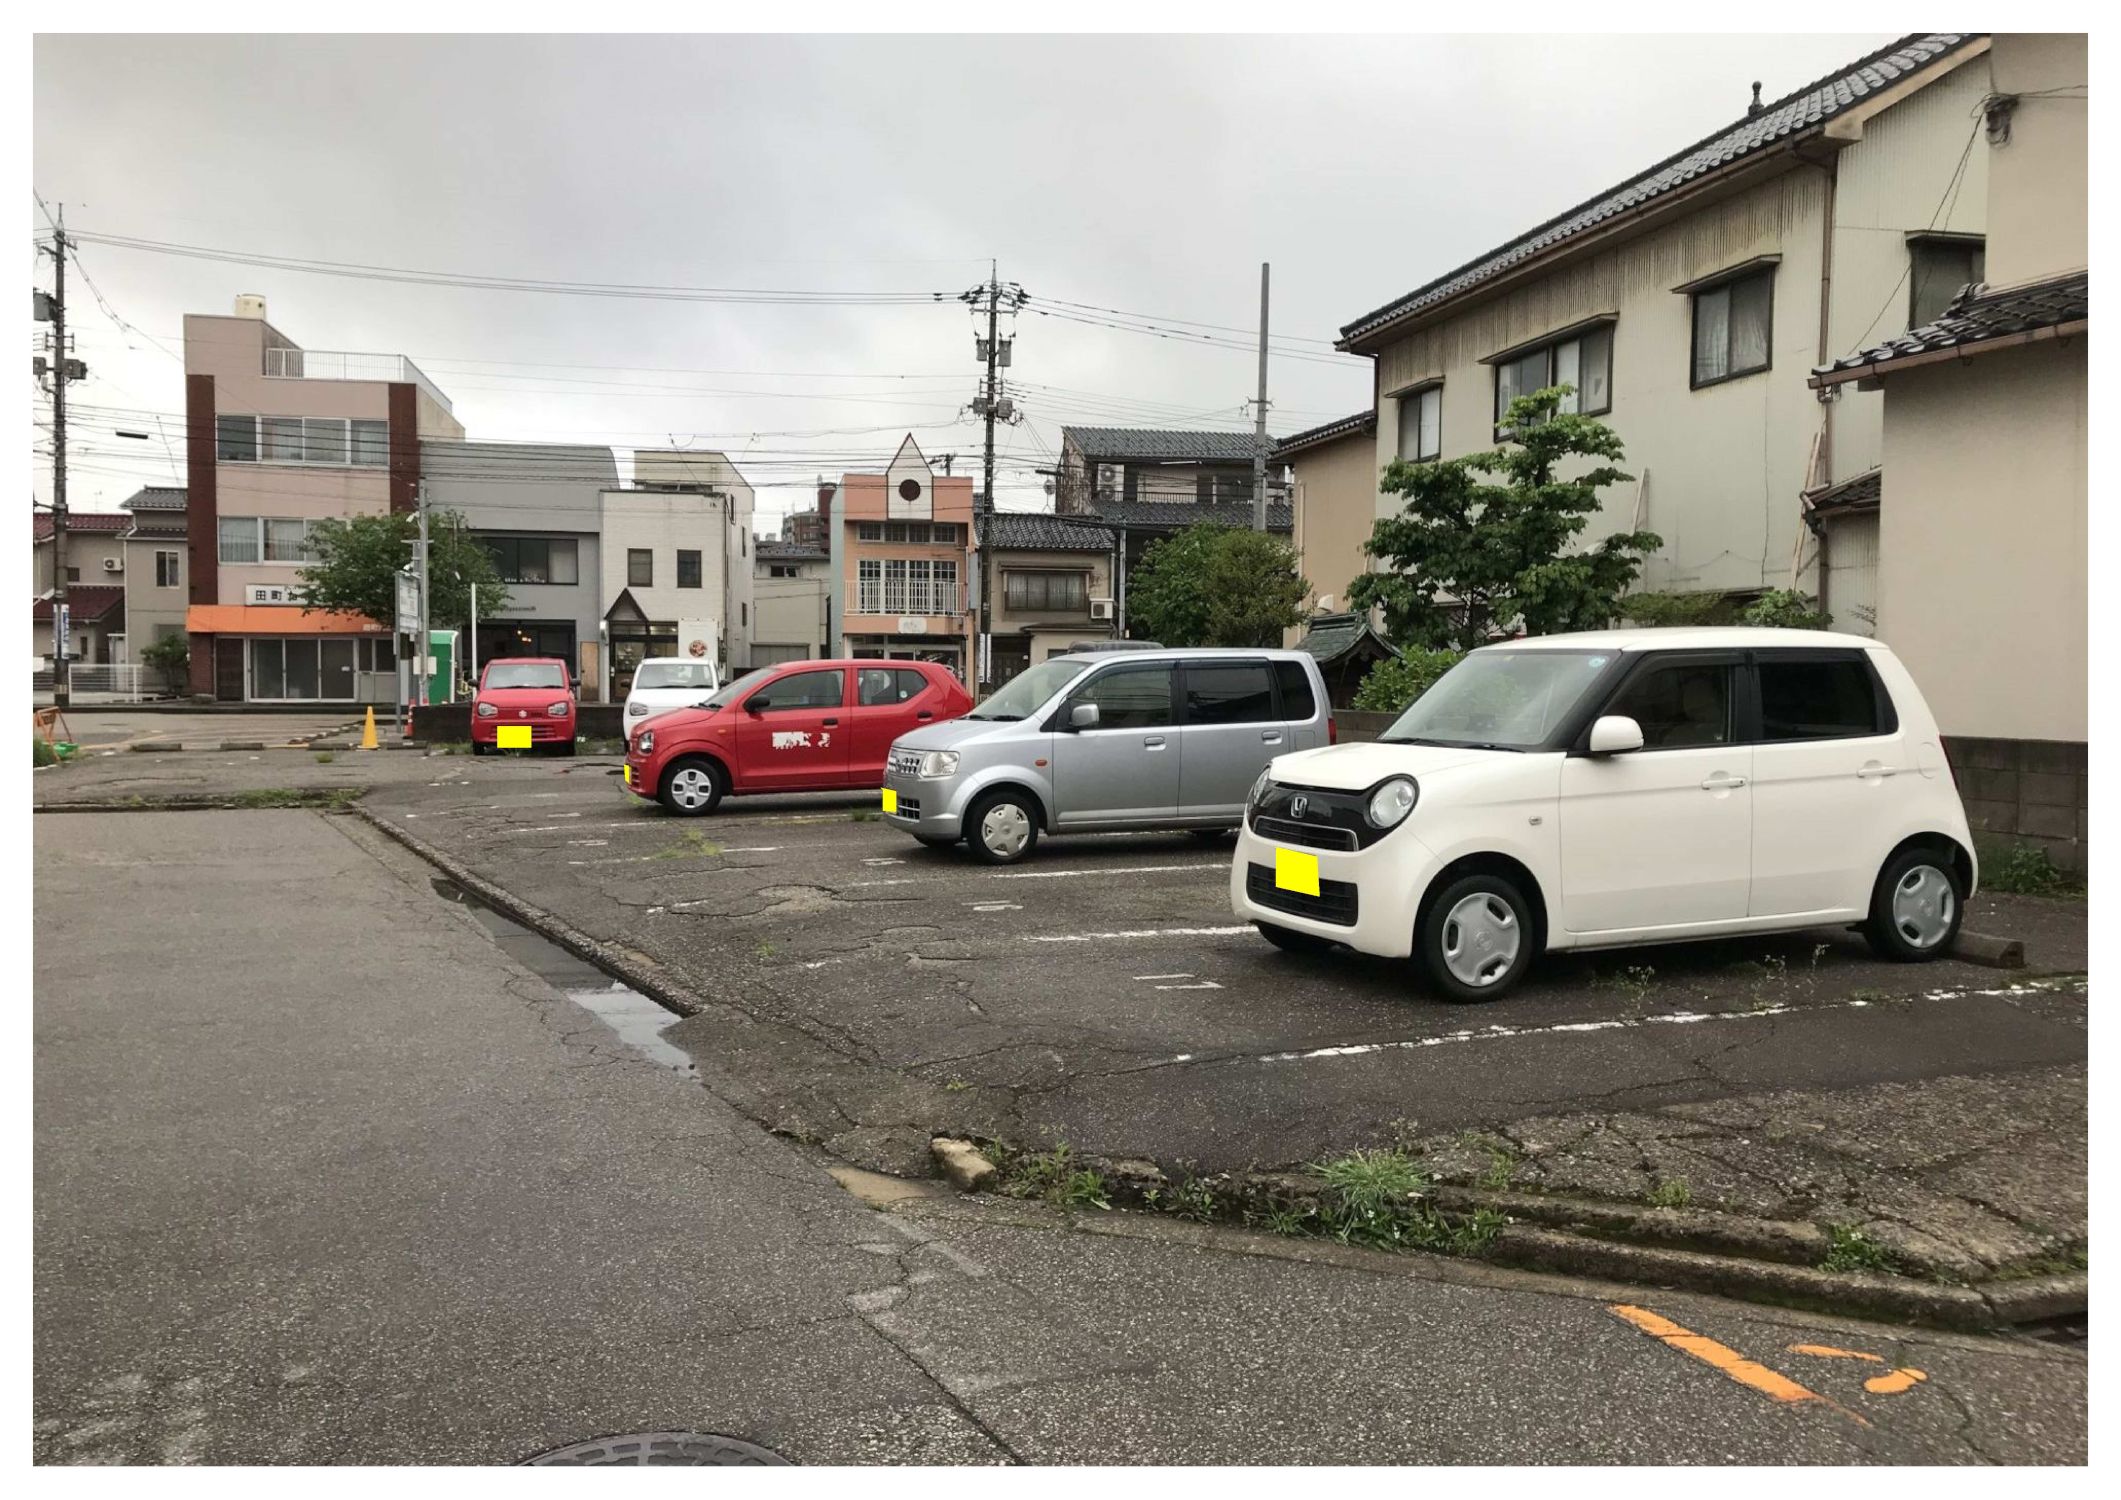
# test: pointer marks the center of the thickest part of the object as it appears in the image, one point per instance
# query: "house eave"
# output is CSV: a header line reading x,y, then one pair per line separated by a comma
x,y
1868,375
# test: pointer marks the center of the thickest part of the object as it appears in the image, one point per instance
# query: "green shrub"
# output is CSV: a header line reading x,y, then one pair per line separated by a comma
x,y
2022,870
1393,684
46,755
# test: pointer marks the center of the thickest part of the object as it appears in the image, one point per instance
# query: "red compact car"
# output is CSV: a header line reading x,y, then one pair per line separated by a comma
x,y
523,703
805,726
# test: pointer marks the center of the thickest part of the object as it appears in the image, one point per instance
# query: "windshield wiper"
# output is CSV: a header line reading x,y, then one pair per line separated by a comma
x,y
1449,744
996,718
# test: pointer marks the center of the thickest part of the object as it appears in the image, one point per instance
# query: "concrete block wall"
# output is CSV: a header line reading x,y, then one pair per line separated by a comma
x,y
2026,791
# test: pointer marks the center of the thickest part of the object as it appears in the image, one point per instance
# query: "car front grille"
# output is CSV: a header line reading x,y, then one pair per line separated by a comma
x,y
1335,901
1310,835
906,762
908,807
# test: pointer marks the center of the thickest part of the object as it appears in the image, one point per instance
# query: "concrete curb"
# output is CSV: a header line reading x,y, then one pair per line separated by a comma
x,y
1991,952
635,969
1697,1250
312,799
212,747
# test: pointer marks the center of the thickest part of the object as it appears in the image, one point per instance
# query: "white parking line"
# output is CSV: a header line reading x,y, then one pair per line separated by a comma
x,y
1197,984
1119,870
1136,932
995,905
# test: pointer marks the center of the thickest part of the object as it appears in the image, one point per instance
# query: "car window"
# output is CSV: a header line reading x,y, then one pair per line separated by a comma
x,y
800,690
885,687
674,674
526,674
1817,700
1236,692
1129,697
1684,703
1297,701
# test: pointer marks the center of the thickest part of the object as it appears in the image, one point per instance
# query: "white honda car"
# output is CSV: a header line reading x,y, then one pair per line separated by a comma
x,y
1615,788
662,683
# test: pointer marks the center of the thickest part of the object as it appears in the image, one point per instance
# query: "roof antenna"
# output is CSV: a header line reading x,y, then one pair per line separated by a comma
x,y
1754,108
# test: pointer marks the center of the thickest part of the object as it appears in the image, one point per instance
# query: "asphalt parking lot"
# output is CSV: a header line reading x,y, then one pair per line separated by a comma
x,y
862,991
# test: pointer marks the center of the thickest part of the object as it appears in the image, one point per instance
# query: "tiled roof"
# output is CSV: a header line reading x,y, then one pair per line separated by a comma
x,y
780,551
1177,515
84,601
156,497
1326,432
1035,531
108,522
1976,316
1333,636
1807,109
1115,444
1849,494
166,526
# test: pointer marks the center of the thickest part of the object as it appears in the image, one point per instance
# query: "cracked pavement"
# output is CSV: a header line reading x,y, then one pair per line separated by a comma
x,y
330,1170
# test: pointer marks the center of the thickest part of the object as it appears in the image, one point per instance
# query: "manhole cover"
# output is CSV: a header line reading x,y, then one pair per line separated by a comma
x,y
707,1449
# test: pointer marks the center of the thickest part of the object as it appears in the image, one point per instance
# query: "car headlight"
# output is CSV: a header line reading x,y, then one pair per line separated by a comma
x,y
1391,802
646,742
488,711
633,709
937,764
559,710
1259,789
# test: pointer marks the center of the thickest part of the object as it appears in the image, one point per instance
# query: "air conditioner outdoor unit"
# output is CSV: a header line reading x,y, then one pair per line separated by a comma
x,y
113,565
1100,609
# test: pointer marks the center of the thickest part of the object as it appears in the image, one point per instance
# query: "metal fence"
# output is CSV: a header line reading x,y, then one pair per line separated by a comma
x,y
116,683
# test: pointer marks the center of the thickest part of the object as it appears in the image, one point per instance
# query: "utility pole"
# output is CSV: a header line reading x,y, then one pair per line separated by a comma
x,y
422,646
993,406
64,368
1259,451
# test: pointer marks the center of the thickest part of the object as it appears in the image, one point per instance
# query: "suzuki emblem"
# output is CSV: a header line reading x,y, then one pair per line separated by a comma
x,y
1298,805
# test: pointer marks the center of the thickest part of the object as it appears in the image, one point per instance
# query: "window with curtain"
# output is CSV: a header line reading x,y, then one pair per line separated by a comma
x,y
1421,424
236,439
1732,324
1583,362
286,540
239,539
324,441
371,444
281,440
1051,592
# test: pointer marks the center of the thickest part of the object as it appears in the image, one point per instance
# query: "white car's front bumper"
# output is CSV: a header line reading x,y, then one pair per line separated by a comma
x,y
1383,885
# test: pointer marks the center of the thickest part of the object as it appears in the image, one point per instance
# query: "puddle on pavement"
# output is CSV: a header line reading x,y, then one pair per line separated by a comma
x,y
638,1021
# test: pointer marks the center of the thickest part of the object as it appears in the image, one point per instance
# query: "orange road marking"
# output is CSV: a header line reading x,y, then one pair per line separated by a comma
x,y
1892,1383
1828,1351
1721,1357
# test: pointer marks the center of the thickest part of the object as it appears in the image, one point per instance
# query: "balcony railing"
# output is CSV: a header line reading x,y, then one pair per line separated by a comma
x,y
336,364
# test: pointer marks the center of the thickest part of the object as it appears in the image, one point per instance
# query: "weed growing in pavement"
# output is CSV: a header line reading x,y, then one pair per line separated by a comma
x,y
764,949
1503,1160
1049,1175
325,757
956,1086
2023,870
1850,1249
1637,982
691,844
1192,1199
1374,1198
1405,1134
1869,996
1671,1192
1819,951
864,815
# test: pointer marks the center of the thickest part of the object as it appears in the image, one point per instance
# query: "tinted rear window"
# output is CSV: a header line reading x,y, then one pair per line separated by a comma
x,y
1297,702
526,674
1817,700
1228,693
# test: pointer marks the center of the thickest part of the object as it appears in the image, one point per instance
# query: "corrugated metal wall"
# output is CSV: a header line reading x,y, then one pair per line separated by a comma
x,y
1852,574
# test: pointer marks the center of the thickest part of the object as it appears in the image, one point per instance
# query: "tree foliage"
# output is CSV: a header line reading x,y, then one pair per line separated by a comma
x,y
1397,681
1480,547
357,560
170,656
1213,585
1789,609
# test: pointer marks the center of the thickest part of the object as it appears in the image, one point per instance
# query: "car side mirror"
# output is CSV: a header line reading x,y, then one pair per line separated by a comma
x,y
752,706
1083,716
1615,734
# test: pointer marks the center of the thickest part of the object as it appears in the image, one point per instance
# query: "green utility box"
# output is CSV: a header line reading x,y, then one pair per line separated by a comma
x,y
442,683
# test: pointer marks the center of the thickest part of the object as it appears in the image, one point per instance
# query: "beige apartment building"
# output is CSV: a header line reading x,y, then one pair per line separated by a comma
x,y
1981,501
280,437
1687,306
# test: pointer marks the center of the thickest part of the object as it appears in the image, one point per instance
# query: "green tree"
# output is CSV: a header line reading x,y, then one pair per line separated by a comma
x,y
1787,608
1213,585
357,562
171,656
1480,546
1392,684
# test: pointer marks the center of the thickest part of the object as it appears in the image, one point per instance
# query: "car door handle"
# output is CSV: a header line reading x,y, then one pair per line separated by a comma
x,y
1154,742
1875,773
1270,736
832,723
925,714
1721,783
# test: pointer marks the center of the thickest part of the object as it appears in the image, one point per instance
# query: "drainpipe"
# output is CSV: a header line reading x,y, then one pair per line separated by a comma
x,y
1826,408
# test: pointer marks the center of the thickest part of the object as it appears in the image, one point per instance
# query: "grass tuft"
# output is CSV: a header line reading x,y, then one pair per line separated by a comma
x,y
1850,1249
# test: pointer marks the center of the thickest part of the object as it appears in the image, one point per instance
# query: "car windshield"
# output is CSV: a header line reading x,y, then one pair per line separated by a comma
x,y
736,688
1027,690
1499,700
674,674
526,674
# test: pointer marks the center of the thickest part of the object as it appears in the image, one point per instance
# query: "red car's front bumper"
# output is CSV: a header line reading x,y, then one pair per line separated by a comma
x,y
544,729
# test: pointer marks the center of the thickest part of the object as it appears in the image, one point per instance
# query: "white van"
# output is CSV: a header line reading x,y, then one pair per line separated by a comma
x,y
661,683
1614,788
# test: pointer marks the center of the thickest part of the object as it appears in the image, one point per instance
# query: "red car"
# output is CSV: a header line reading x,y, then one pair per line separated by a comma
x,y
523,702
805,726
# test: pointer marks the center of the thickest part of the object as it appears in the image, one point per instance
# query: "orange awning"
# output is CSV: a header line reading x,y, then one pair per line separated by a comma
x,y
274,619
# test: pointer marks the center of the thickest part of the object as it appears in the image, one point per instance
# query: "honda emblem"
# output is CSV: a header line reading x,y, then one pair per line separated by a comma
x,y
1298,805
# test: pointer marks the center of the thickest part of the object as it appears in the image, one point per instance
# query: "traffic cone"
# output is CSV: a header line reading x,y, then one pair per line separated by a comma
x,y
368,732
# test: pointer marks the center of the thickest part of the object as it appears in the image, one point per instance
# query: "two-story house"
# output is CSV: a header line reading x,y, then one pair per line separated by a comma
x,y
902,545
95,585
156,596
279,437
791,596
538,510
1685,306
675,555
1980,507
1151,482
1051,578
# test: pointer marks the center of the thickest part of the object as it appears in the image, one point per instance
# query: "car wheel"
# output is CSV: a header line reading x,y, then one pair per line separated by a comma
x,y
479,749
1475,939
1289,940
1916,907
1003,828
1211,835
931,841
568,748
692,787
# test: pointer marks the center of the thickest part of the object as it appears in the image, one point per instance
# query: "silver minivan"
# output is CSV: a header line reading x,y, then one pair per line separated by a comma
x,y
1106,741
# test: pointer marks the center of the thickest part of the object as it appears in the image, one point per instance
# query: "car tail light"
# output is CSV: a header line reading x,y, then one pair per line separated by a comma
x,y
488,711
1332,730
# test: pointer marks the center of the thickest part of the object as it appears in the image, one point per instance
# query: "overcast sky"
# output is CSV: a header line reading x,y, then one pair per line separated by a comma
x,y
1150,175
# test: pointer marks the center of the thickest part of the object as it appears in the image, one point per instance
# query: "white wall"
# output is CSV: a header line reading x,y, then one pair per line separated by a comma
x,y
664,522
